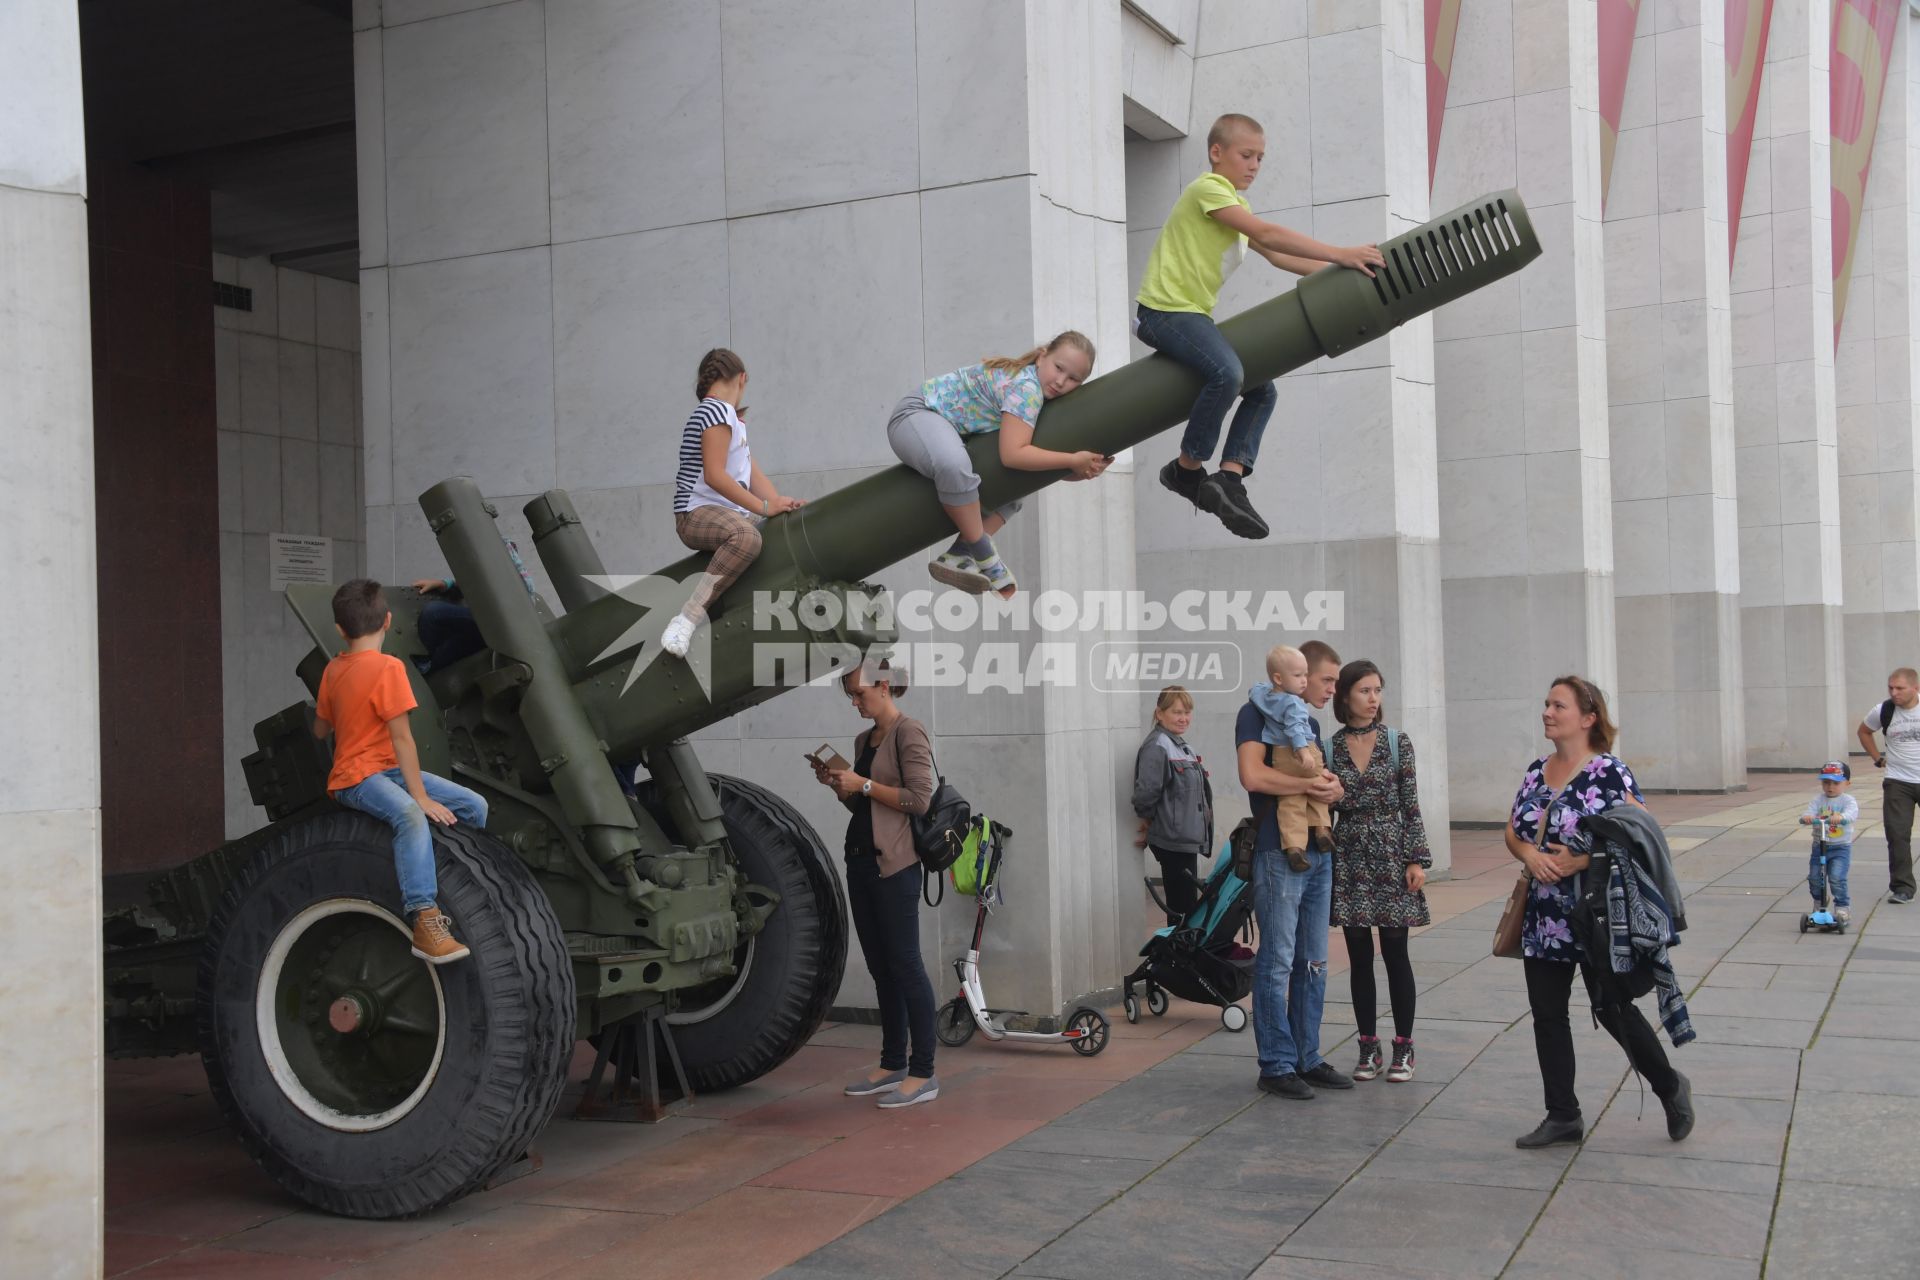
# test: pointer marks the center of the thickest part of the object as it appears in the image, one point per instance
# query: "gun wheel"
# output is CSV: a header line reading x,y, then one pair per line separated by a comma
x,y
741,1027
362,1079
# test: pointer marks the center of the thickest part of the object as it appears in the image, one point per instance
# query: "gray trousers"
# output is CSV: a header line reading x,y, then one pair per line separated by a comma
x,y
1897,818
929,444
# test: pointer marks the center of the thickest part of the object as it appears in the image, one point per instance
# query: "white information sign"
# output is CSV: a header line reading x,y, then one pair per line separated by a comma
x,y
293,557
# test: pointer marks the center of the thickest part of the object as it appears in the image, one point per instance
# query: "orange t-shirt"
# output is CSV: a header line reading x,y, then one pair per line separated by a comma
x,y
359,693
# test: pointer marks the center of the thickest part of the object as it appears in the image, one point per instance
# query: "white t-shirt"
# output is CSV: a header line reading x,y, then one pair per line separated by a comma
x,y
1903,741
690,488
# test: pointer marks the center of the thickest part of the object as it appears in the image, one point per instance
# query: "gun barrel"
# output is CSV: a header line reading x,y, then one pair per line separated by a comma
x,y
859,530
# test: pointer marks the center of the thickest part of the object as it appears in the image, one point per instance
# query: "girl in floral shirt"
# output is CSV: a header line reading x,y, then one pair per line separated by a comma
x,y
1546,836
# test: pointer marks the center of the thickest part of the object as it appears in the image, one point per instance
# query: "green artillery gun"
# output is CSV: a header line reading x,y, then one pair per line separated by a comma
x,y
373,1085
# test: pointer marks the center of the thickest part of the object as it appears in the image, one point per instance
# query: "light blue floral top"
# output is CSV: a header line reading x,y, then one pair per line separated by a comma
x,y
973,398
1604,782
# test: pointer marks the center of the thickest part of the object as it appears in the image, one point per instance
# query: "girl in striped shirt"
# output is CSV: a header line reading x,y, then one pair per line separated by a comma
x,y
719,493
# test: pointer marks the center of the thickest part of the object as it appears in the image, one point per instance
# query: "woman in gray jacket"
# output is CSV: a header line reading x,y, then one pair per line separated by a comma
x,y
1174,801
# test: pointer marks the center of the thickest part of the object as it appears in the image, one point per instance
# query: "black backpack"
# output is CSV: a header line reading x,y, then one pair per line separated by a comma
x,y
1886,714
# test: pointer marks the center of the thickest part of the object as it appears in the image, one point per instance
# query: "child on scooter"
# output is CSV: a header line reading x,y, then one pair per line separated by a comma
x,y
1834,814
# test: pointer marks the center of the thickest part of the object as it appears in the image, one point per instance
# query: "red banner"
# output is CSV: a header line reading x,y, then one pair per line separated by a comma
x,y
1617,21
1748,22
1862,53
1443,24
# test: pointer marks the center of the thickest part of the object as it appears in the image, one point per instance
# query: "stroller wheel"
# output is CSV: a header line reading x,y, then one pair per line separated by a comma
x,y
1092,1027
1130,1005
1156,1001
1233,1018
954,1025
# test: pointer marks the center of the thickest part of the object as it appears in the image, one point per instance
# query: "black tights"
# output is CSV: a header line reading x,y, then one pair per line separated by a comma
x,y
1393,950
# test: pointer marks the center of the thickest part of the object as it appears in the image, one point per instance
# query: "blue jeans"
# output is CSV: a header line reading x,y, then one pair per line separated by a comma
x,y
1290,970
1195,341
1839,860
384,796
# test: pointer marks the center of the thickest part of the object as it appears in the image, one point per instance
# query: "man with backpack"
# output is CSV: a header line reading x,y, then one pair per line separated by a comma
x,y
1898,721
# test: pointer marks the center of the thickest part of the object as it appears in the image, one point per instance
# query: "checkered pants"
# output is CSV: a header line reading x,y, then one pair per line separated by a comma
x,y
732,537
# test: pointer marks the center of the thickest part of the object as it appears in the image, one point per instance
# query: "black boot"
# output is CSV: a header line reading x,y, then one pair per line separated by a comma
x,y
1224,494
1552,1133
1679,1109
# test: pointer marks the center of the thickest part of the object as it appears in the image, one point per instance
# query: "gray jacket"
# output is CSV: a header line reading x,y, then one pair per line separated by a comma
x,y
1641,831
1171,791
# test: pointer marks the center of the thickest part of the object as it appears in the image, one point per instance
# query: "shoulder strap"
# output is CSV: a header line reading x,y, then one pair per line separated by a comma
x,y
1886,714
1393,749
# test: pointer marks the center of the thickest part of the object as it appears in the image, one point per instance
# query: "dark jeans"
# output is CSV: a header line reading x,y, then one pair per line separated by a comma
x,y
449,632
1195,341
886,919
1400,988
1897,817
1549,989
1177,883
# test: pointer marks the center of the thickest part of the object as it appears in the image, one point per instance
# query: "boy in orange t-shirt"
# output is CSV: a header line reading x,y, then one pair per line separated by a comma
x,y
363,701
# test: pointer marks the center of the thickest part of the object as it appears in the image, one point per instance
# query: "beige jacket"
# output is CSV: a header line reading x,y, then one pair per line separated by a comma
x,y
904,759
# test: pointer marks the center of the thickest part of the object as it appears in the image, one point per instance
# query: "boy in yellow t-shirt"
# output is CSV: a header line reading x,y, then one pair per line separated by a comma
x,y
1205,237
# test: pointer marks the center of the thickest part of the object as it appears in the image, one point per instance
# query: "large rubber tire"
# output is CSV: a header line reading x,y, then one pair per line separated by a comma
x,y
792,966
506,1017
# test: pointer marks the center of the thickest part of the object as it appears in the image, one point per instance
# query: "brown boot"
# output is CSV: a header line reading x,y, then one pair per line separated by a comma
x,y
1323,836
433,939
1297,859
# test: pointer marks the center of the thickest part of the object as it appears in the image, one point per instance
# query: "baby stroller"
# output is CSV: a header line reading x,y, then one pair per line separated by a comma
x,y
1198,959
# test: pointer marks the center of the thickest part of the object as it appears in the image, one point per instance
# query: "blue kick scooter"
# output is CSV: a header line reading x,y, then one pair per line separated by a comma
x,y
1823,917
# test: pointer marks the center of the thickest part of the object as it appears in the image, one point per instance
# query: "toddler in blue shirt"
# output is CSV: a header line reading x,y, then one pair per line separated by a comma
x,y
1833,814
1289,725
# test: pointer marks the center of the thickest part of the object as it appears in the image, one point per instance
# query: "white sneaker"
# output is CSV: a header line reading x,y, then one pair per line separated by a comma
x,y
678,637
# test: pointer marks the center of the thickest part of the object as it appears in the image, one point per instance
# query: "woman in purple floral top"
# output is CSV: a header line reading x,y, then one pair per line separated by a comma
x,y
1578,778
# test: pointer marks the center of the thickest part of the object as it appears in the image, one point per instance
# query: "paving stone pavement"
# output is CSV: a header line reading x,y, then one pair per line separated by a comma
x,y
1804,1160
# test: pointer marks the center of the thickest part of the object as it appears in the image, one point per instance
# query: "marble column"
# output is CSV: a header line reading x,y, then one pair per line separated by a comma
x,y
1875,395
1670,394
1784,411
1526,508
51,1175
563,206
1345,475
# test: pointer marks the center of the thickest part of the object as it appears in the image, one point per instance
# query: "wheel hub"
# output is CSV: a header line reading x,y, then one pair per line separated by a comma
x,y
351,1022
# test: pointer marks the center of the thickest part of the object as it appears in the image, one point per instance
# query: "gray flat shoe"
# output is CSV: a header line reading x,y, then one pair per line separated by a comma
x,y
925,1093
861,1087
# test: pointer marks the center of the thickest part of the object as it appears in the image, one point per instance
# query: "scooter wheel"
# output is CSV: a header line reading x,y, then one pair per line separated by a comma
x,y
1805,923
1131,1007
954,1024
1156,1001
1233,1018
1093,1028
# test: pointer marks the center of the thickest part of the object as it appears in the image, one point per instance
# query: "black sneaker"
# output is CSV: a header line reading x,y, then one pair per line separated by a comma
x,y
1184,481
1679,1109
1899,899
1552,1133
1289,1085
1224,494
1328,1076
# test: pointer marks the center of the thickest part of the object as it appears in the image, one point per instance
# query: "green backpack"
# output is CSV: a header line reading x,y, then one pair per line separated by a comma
x,y
978,865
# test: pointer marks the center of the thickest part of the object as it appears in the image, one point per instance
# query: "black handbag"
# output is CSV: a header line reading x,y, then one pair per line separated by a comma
x,y
939,834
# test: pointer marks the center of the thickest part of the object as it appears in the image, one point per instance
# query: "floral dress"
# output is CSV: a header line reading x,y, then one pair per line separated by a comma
x,y
1601,783
1378,833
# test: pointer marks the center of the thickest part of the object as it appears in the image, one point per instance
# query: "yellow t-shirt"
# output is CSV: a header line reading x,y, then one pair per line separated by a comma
x,y
1195,252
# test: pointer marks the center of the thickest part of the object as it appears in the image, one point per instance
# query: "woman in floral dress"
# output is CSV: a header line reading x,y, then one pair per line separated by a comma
x,y
1380,863
1578,778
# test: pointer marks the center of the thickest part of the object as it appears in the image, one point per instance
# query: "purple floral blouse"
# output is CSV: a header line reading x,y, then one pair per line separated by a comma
x,y
1604,782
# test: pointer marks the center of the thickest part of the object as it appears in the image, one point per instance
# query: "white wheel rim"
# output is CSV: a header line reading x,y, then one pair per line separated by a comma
x,y
267,1022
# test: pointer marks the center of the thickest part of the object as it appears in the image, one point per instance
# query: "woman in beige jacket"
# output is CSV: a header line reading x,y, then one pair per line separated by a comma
x,y
891,778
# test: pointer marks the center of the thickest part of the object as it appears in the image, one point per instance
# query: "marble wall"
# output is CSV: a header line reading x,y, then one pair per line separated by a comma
x,y
288,409
51,1174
